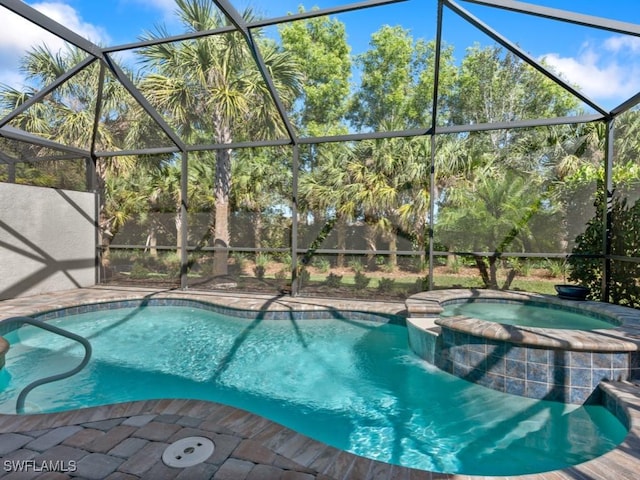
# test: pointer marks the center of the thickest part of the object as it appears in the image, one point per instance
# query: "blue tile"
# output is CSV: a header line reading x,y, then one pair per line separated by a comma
x,y
515,369
580,377
580,359
619,374
558,393
601,360
495,382
477,360
537,390
516,353
599,374
537,355
515,386
538,372
560,375
496,366
579,395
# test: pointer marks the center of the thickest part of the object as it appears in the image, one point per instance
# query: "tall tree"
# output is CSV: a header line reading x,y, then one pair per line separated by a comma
x,y
211,87
396,93
319,47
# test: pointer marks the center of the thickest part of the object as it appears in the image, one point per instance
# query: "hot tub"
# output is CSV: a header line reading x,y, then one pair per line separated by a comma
x,y
532,361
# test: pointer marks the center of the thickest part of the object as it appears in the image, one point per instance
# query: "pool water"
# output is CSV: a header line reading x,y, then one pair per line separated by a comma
x,y
349,383
526,314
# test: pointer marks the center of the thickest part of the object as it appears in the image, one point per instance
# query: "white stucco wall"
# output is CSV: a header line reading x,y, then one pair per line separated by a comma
x,y
47,240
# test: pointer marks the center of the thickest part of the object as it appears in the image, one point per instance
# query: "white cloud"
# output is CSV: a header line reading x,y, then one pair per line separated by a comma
x,y
19,35
68,16
605,72
623,44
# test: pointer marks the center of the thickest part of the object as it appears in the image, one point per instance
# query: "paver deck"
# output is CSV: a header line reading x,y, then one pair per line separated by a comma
x,y
126,441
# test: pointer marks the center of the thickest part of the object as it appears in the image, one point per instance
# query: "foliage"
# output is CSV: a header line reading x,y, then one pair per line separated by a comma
x,y
261,262
319,47
385,285
304,276
138,270
625,241
556,268
333,280
356,265
322,264
361,281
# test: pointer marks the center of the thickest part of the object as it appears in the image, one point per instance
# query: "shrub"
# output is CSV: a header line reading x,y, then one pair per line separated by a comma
x,y
303,277
555,268
322,264
361,280
171,262
139,271
333,280
239,261
356,265
385,285
260,269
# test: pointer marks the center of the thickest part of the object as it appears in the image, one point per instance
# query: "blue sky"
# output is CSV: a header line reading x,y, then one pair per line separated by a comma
x,y
605,65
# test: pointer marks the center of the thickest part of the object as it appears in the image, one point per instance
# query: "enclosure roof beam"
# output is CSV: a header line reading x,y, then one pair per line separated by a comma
x,y
626,105
562,15
171,39
513,48
141,151
250,25
539,122
13,133
321,12
353,137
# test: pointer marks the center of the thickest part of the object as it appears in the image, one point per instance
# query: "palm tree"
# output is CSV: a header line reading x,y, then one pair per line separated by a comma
x,y
211,86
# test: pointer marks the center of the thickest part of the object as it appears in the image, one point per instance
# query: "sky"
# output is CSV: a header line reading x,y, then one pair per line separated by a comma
x,y
605,65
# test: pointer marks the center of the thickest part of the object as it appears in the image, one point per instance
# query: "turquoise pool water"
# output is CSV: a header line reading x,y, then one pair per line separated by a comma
x,y
526,314
352,384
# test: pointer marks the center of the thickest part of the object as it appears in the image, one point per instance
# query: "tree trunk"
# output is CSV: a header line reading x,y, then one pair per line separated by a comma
x,y
392,237
178,223
257,228
222,188
370,239
342,241
152,241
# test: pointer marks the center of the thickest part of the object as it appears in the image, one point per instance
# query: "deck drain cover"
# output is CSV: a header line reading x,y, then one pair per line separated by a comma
x,y
188,452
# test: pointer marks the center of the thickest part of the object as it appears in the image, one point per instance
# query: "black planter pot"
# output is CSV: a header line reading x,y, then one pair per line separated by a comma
x,y
572,292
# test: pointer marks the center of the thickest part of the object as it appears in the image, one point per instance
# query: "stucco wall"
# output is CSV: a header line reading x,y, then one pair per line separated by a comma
x,y
47,240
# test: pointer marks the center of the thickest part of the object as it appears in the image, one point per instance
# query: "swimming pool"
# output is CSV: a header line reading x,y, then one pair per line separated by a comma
x,y
346,381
